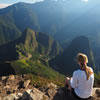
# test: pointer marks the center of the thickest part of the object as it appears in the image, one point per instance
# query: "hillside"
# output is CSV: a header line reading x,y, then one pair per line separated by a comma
x,y
30,54
64,23
28,44
14,20
66,63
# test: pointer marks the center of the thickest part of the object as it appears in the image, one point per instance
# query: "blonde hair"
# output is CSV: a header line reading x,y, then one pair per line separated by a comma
x,y
83,60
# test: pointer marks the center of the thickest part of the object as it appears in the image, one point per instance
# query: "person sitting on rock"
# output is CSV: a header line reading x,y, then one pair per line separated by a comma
x,y
81,83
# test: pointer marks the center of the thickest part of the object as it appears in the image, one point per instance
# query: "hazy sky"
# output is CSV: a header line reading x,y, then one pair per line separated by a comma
x,y
4,3
14,1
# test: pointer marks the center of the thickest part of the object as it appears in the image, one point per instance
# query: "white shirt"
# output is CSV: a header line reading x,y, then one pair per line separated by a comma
x,y
82,86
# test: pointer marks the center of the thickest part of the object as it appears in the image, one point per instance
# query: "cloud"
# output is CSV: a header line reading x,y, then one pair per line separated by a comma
x,y
4,5
85,0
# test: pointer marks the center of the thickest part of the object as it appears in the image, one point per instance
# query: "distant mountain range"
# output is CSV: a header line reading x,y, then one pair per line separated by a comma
x,y
37,46
67,20
29,34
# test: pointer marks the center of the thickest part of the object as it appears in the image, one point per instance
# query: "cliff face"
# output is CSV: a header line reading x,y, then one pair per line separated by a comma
x,y
19,88
66,62
28,43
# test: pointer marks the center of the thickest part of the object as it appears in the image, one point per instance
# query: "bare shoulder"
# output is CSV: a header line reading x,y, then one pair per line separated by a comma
x,y
90,68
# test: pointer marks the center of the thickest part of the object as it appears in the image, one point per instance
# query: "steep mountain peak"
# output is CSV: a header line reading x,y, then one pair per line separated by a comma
x,y
66,62
81,42
29,43
29,38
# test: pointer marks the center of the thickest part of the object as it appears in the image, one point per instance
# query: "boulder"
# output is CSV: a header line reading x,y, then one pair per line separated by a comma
x,y
21,84
4,78
96,93
26,83
10,97
26,96
51,93
33,94
52,85
7,87
11,78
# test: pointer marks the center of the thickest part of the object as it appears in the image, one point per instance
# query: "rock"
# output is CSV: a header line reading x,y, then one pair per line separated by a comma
x,y
26,96
51,85
0,98
4,78
61,94
11,78
10,97
21,84
9,92
26,83
18,88
96,93
19,95
34,94
64,94
45,98
51,92
7,87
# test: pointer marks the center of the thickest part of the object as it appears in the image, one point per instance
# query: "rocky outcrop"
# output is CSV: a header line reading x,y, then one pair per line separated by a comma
x,y
18,88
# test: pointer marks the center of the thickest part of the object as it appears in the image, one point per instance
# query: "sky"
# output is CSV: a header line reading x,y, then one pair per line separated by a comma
x,y
5,3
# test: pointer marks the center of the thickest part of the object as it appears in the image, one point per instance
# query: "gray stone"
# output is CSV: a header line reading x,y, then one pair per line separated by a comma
x,y
11,78
4,78
10,97
26,83
34,94
51,92
52,85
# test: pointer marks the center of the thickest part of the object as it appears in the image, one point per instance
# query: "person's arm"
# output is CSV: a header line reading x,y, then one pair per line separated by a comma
x,y
74,80
67,83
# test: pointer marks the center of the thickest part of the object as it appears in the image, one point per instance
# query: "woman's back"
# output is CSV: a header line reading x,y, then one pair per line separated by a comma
x,y
83,79
83,86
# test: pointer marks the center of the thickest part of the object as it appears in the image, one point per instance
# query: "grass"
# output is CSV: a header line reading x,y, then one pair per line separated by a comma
x,y
39,73
97,79
43,81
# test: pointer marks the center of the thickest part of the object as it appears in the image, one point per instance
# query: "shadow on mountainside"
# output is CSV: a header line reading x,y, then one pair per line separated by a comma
x,y
6,69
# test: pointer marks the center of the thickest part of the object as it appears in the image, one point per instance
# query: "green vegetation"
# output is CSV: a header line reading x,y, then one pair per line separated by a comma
x,y
30,51
8,30
43,81
35,67
40,74
66,63
97,79
30,44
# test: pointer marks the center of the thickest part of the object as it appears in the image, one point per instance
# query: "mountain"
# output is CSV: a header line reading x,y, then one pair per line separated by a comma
x,y
66,63
67,20
8,30
14,20
28,44
29,54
